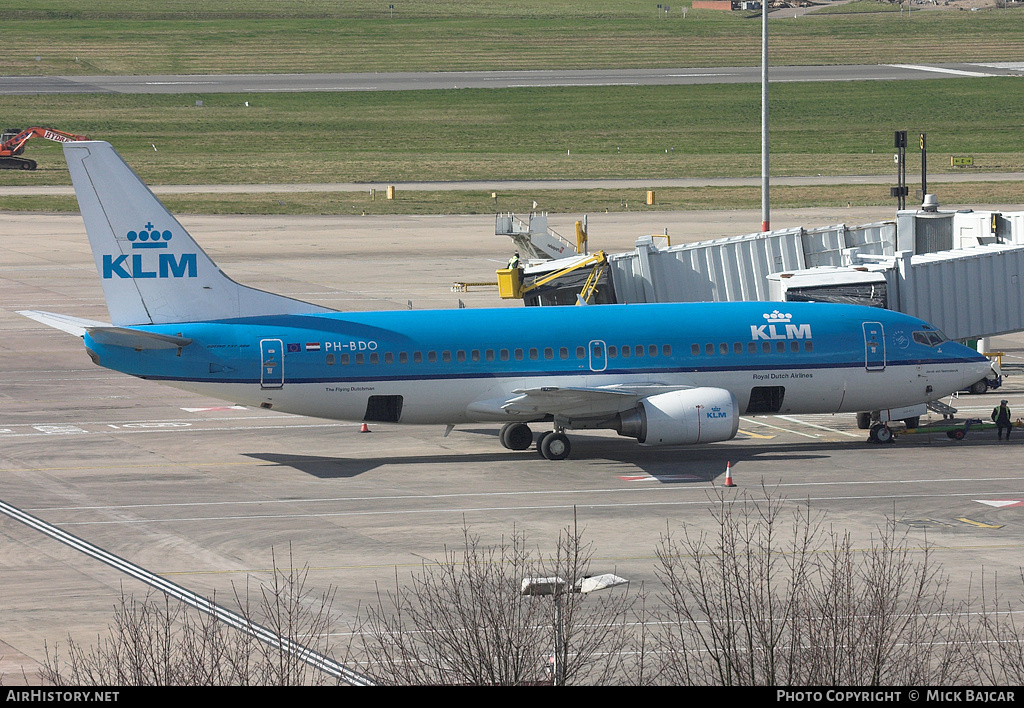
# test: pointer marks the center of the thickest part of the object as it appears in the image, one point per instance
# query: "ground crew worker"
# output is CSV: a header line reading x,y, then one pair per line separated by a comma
x,y
1001,415
513,262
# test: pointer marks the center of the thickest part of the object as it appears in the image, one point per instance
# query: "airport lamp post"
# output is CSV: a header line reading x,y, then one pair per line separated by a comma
x,y
556,587
765,211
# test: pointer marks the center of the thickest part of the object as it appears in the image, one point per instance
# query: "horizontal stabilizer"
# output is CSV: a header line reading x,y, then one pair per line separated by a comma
x,y
136,339
65,323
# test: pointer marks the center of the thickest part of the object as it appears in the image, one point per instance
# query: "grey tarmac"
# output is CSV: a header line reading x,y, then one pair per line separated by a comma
x,y
202,493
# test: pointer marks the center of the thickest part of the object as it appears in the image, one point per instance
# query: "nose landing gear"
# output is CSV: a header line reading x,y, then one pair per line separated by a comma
x,y
880,433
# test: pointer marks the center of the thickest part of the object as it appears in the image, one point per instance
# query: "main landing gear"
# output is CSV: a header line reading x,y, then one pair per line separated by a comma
x,y
551,445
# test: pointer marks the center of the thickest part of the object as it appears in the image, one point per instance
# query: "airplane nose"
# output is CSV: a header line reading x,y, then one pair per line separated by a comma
x,y
976,371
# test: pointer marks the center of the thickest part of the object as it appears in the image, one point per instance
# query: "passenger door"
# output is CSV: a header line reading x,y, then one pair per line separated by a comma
x,y
271,363
874,346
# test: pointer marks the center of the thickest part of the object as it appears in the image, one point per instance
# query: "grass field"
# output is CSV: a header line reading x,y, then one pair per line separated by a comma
x,y
629,132
61,37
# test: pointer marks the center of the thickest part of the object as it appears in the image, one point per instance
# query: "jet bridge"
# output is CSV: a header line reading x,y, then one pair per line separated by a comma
x,y
959,270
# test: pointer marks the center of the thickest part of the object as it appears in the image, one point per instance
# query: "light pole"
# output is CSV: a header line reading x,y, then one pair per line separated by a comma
x,y
765,211
556,587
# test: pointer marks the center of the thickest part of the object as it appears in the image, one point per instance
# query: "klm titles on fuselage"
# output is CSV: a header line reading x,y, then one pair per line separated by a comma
x,y
779,327
143,264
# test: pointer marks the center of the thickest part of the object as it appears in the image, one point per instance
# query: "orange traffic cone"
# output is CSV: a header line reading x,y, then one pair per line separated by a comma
x,y
364,428
728,475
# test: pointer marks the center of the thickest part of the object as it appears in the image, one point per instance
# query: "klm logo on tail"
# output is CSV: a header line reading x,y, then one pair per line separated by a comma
x,y
144,265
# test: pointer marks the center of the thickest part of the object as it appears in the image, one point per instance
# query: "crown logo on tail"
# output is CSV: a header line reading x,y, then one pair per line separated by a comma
x,y
149,237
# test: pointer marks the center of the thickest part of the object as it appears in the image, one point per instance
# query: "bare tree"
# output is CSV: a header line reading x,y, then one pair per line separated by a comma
x,y
999,647
463,619
769,600
159,641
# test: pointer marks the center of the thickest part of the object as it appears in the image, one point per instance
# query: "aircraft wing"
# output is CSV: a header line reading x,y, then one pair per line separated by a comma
x,y
577,402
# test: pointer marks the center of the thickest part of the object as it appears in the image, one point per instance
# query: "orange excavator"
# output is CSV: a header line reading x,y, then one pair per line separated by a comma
x,y
12,144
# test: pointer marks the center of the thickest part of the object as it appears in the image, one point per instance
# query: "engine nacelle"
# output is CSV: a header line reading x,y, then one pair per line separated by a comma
x,y
698,415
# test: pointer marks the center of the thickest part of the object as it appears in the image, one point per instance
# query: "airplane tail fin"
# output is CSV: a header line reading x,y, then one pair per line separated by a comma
x,y
151,269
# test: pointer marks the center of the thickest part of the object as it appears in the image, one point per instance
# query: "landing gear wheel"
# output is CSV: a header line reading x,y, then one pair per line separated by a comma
x,y
555,446
540,441
979,386
516,436
864,420
881,434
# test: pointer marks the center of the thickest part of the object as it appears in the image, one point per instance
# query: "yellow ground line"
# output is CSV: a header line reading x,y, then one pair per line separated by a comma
x,y
755,435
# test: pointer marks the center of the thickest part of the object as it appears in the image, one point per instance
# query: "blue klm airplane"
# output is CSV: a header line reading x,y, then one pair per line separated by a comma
x,y
665,374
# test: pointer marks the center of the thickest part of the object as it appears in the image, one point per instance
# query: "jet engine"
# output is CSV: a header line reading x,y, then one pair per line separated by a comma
x,y
697,415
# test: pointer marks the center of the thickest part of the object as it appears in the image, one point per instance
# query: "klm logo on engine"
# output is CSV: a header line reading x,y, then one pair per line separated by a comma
x,y
779,326
150,265
716,412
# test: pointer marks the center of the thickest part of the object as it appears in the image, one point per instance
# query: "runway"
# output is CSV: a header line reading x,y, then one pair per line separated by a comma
x,y
200,492
415,81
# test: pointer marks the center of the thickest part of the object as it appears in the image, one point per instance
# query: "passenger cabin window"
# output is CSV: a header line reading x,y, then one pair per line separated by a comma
x,y
695,349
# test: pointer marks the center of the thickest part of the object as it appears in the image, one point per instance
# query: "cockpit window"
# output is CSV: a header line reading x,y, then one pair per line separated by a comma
x,y
929,339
